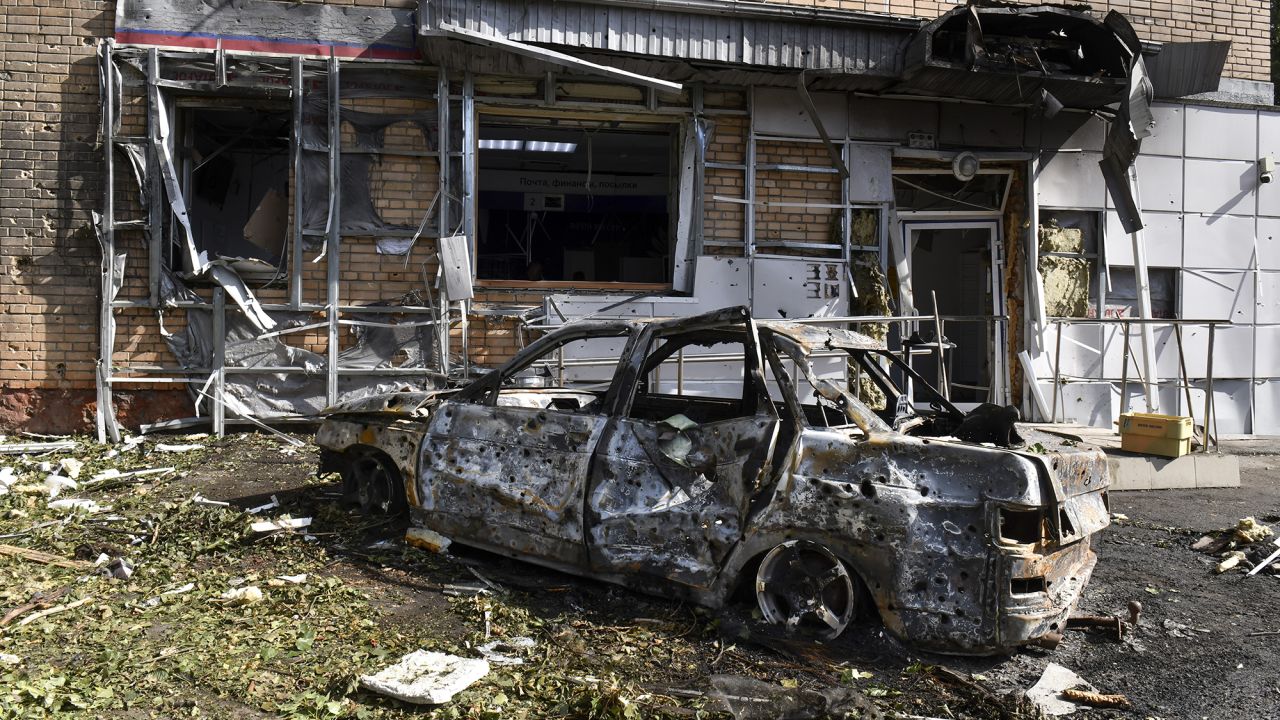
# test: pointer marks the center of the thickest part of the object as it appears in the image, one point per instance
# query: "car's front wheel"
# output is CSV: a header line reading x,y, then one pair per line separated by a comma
x,y
374,483
804,587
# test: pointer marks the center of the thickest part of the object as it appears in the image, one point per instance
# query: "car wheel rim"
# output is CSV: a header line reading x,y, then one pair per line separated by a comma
x,y
806,589
373,485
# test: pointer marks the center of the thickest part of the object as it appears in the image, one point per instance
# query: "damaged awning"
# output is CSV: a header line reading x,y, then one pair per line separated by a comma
x,y
1009,54
449,31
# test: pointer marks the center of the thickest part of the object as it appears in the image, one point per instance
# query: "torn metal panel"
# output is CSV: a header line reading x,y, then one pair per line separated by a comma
x,y
451,31
268,28
1188,68
1009,54
965,548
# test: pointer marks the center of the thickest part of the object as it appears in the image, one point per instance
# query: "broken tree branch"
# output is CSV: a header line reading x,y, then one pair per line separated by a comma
x,y
1094,699
42,557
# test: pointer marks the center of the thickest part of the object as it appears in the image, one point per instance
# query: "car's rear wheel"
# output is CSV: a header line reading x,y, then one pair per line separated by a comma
x,y
803,587
375,484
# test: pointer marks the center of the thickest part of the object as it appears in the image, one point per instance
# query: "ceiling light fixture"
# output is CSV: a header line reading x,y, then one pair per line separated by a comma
x,y
501,144
545,146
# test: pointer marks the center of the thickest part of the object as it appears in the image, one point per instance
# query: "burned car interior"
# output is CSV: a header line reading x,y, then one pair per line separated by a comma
x,y
688,457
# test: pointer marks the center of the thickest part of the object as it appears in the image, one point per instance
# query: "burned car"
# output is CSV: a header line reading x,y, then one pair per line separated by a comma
x,y
698,456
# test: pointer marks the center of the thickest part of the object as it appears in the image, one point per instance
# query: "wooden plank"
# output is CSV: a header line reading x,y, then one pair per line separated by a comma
x,y
43,558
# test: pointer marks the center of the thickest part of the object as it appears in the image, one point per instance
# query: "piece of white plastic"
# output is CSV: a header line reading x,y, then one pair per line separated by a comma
x,y
426,678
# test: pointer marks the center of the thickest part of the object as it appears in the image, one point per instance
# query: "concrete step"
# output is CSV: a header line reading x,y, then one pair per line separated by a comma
x,y
1197,470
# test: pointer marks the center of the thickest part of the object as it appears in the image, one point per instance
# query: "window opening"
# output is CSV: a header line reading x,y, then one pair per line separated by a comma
x,y
576,202
1068,262
1122,298
237,184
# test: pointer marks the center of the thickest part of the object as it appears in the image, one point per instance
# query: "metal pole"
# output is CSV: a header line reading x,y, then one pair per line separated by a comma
x,y
1057,370
218,410
1142,280
469,140
106,320
680,371
295,279
155,182
335,223
944,382
1182,369
1124,371
443,131
1210,412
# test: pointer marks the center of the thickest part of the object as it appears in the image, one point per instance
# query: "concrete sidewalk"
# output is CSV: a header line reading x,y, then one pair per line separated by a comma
x,y
1131,471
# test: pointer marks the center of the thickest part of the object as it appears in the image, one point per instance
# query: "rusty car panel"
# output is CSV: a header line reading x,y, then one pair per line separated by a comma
x,y
963,546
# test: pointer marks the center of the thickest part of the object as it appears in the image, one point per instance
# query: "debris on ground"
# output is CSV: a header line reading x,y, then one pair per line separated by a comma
x,y
1093,699
426,678
749,699
164,447
426,539
31,448
1049,691
236,597
284,522
1249,530
1242,547
71,467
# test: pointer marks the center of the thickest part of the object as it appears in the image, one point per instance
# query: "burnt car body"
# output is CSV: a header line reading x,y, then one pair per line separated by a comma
x,y
787,481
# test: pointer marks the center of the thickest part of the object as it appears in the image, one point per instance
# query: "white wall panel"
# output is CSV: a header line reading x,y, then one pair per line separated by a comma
x,y
1267,351
1268,193
1232,351
980,126
1269,133
1167,139
870,173
1159,183
1222,242
1067,131
780,112
1269,243
1113,351
1220,186
721,282
1231,403
1266,409
1081,350
787,288
1070,180
1162,235
1222,133
1214,295
876,119
1269,300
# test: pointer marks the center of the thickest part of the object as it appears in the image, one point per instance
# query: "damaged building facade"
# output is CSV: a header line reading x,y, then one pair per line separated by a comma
x,y
250,211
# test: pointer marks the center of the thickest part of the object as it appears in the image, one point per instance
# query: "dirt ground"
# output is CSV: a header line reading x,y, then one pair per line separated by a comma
x,y
600,651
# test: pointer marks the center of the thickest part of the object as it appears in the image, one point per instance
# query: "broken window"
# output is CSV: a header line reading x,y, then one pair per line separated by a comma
x,y
1122,298
1068,262
235,165
942,191
575,201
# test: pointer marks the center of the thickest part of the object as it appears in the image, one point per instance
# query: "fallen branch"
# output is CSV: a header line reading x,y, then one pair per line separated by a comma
x,y
42,557
1093,699
52,611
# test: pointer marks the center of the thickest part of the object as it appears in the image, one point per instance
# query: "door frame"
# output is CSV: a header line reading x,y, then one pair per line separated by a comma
x,y
998,334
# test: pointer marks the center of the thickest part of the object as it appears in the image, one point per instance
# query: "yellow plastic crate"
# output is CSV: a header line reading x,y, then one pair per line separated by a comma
x,y
1147,445
1172,427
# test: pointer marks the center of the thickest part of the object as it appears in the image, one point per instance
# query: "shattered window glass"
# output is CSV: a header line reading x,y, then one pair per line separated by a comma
x,y
1122,298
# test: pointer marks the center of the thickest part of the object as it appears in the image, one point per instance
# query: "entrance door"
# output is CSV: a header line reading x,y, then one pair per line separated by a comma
x,y
958,263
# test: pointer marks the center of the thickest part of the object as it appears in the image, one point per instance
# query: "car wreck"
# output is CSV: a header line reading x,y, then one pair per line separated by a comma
x,y
786,483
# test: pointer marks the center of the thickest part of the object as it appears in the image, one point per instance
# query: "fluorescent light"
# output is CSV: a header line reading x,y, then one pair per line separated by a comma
x,y
501,144
544,146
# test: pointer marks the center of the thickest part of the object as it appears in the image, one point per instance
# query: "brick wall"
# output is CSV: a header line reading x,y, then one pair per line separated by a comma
x,y
1246,23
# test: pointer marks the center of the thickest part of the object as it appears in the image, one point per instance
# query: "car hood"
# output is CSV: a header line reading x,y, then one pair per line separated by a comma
x,y
414,402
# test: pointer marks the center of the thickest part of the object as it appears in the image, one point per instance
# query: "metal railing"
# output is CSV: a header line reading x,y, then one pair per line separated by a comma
x,y
1183,382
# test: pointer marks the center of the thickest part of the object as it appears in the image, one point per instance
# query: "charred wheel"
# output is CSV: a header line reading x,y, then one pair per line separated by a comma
x,y
804,587
374,483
